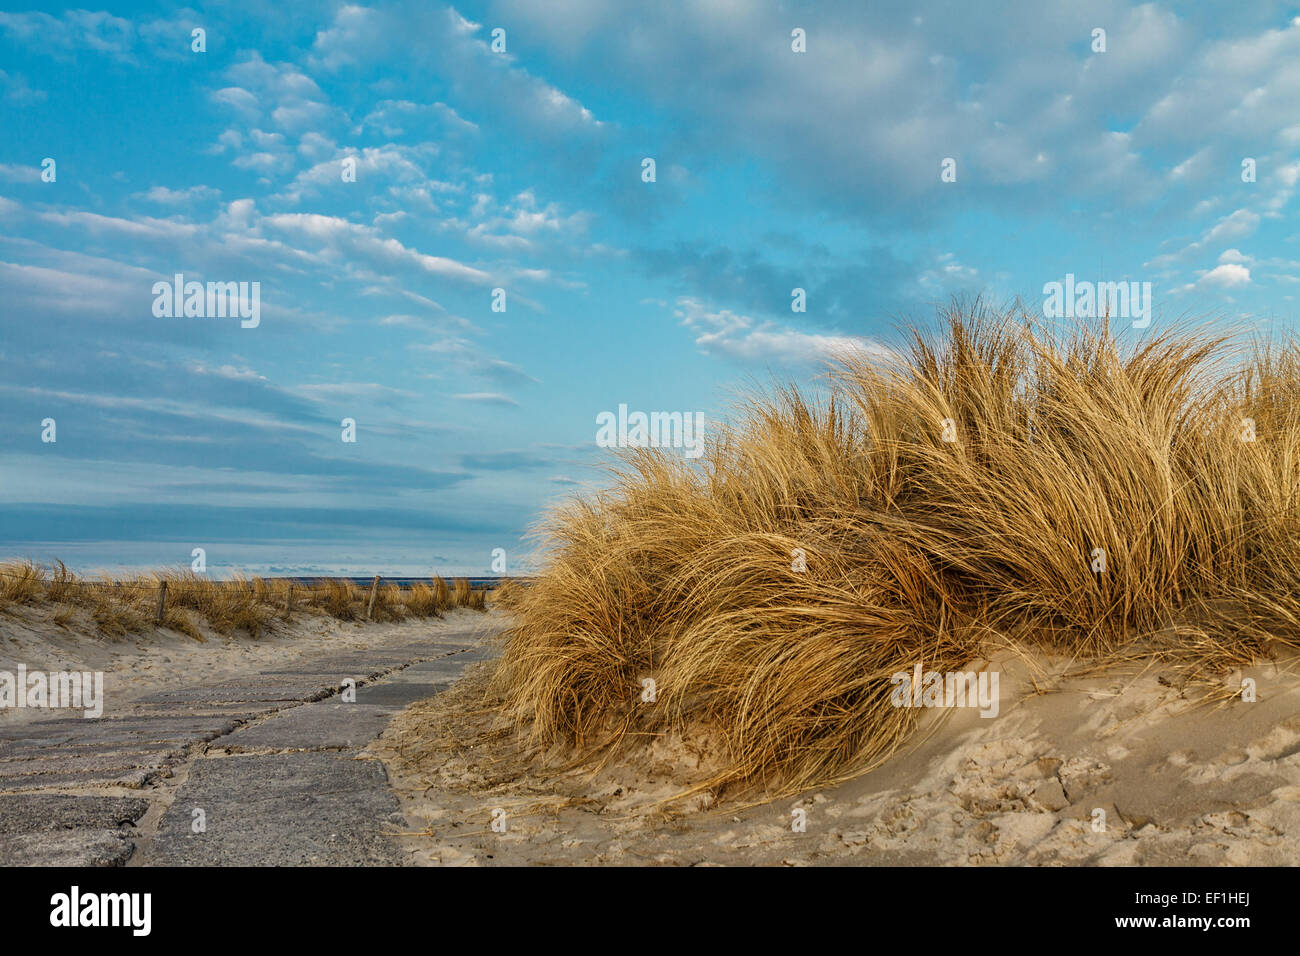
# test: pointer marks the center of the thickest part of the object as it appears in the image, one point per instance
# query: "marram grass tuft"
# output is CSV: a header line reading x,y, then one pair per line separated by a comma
x,y
957,496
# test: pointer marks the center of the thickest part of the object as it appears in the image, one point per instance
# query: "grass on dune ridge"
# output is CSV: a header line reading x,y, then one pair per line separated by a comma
x,y
1177,455
252,605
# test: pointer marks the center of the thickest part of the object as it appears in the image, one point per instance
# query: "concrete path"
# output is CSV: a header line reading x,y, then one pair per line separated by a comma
x,y
263,770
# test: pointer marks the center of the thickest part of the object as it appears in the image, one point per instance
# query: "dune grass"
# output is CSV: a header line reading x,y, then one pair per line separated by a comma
x,y
956,497
251,606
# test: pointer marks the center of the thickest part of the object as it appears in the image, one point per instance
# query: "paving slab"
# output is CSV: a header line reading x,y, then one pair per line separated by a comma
x,y
359,669
38,750
435,650
334,670
394,695
439,671
321,677
325,725
79,726
210,694
89,780
119,735
282,780
78,848
156,730
234,709
28,813
24,735
294,809
63,763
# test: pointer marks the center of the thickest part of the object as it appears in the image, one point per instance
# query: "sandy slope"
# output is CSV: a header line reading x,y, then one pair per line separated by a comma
x,y
1178,783
140,664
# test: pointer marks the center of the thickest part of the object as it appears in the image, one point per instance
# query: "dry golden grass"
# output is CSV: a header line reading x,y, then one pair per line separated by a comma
x,y
246,605
338,599
920,549
461,592
238,604
22,584
428,600
504,593
466,596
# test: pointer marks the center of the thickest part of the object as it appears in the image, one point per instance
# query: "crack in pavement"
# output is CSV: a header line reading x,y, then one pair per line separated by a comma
x,y
258,770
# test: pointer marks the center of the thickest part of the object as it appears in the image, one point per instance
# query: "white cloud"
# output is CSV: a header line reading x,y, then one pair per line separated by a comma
x,y
20,174
342,236
1227,275
395,117
100,32
18,90
178,197
146,227
362,36
354,390
240,100
228,372
392,165
738,336
487,398
470,359
1237,225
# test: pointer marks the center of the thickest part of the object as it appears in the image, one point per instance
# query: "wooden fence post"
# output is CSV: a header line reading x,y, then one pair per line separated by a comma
x,y
288,601
374,589
162,600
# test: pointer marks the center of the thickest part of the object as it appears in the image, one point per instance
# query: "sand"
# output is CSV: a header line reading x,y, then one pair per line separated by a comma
x,y
1116,768
137,665
1178,777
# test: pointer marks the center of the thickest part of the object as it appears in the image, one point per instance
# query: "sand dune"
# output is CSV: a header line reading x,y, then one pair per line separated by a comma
x,y
1179,778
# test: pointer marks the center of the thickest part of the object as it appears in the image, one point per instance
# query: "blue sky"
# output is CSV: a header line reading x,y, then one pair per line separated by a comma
x,y
522,170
